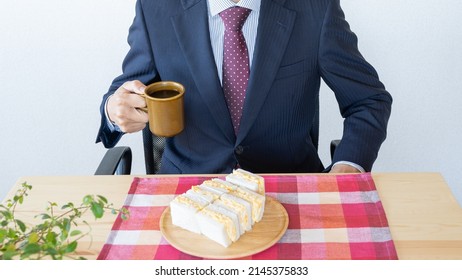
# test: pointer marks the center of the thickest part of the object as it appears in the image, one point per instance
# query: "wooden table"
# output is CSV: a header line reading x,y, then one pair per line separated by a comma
x,y
424,218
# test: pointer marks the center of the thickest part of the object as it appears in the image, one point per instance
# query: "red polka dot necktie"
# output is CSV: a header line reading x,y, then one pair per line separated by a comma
x,y
236,68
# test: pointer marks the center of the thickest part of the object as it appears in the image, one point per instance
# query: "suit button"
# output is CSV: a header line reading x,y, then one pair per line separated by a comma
x,y
239,150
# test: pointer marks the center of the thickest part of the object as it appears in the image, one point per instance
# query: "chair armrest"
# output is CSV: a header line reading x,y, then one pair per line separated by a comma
x,y
116,160
333,146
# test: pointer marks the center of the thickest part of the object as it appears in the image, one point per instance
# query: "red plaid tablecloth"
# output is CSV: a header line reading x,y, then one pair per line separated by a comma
x,y
330,217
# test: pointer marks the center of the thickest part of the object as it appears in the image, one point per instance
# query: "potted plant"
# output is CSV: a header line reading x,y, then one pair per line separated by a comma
x,y
57,233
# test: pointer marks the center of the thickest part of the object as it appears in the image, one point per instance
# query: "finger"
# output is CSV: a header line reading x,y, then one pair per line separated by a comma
x,y
123,98
139,116
135,101
132,120
344,168
134,87
125,116
130,115
144,116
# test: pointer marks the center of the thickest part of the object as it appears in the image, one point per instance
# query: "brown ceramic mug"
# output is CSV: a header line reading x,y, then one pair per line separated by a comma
x,y
165,108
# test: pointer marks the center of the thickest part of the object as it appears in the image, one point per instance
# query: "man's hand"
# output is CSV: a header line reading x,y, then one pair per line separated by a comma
x,y
122,107
343,168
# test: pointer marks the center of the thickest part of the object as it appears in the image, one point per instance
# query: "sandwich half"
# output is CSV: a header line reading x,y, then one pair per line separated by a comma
x,y
241,207
256,200
183,209
218,224
205,193
219,185
248,180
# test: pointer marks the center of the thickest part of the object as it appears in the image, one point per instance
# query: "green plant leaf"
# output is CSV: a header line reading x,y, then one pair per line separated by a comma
x,y
87,199
3,234
51,238
71,247
102,198
45,216
124,214
21,225
26,186
75,232
32,248
33,237
7,214
68,205
66,224
9,254
51,251
97,210
12,233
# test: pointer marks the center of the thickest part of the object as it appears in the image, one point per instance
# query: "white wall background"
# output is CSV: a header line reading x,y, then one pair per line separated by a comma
x,y
57,58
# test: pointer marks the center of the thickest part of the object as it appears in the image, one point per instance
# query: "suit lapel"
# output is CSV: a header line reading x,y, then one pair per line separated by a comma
x,y
192,31
274,30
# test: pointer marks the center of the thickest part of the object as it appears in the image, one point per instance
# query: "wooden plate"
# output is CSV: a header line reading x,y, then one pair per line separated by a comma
x,y
263,235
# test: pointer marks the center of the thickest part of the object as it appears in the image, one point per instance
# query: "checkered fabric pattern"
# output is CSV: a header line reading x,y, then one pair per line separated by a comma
x,y
330,217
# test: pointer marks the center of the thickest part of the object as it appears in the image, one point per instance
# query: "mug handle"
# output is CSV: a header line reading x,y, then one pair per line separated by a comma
x,y
144,109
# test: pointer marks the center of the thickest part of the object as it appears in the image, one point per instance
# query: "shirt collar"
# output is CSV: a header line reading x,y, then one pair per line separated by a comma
x,y
218,6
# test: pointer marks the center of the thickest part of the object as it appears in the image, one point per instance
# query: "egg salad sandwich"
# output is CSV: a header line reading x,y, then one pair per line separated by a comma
x,y
219,185
248,180
256,200
183,209
218,224
241,207
221,210
205,193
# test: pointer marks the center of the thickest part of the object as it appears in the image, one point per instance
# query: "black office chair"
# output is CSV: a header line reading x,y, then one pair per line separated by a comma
x,y
118,160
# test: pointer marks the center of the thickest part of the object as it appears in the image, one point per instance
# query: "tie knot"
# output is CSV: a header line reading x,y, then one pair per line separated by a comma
x,y
234,17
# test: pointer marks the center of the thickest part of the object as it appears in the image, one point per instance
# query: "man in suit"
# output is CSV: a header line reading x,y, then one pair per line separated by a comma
x,y
292,44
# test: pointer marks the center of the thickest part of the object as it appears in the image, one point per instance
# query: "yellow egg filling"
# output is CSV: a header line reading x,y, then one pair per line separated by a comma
x,y
224,220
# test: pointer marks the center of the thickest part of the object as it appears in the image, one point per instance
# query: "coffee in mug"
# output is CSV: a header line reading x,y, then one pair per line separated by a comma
x,y
165,108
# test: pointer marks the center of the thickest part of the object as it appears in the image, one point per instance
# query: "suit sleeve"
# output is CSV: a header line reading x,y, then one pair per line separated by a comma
x,y
138,65
364,103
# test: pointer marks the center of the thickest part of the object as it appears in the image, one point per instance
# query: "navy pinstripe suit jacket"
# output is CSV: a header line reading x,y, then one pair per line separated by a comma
x,y
298,43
